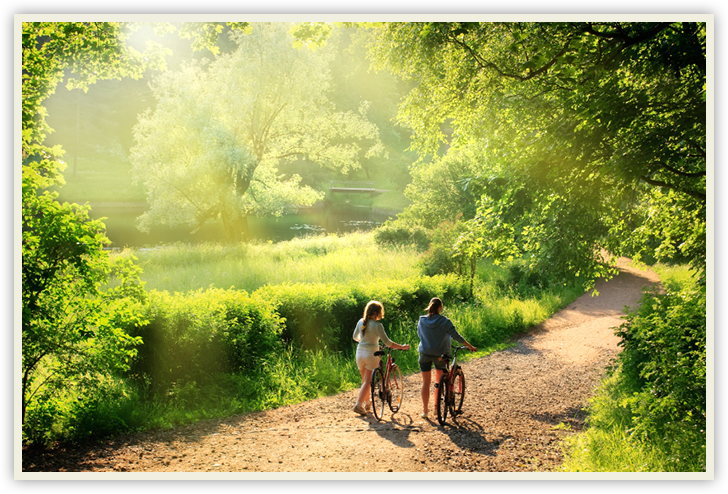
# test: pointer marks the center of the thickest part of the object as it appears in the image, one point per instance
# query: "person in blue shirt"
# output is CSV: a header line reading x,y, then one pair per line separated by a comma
x,y
435,332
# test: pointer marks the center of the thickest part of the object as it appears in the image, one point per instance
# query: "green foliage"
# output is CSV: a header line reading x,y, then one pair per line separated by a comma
x,y
444,187
607,445
664,359
674,230
324,315
399,234
73,335
214,142
212,353
335,259
564,127
195,336
558,141
650,414
442,257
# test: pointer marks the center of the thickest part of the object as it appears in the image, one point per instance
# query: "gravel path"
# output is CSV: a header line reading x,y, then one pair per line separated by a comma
x,y
520,403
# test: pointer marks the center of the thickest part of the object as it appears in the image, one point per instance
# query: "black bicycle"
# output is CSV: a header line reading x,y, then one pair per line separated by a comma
x,y
451,388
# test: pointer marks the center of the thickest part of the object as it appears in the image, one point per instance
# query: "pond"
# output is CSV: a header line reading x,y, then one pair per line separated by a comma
x,y
122,231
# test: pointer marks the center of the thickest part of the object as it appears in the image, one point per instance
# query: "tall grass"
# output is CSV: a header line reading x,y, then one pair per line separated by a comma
x,y
319,259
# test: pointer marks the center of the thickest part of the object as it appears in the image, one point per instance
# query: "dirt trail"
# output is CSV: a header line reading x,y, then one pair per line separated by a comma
x,y
520,404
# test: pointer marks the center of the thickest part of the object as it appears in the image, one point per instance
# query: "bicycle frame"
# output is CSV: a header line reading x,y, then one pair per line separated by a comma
x,y
387,378
388,367
455,357
448,390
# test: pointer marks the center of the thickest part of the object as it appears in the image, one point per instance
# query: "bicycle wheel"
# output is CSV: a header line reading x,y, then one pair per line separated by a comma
x,y
457,394
442,400
378,393
395,389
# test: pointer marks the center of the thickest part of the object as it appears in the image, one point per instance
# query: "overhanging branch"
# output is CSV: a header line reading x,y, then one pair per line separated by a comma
x,y
658,183
679,172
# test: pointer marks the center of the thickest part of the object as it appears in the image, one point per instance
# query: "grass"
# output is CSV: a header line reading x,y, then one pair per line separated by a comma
x,y
608,445
298,375
322,259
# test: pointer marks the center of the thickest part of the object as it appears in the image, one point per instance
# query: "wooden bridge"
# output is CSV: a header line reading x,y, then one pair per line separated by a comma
x,y
357,188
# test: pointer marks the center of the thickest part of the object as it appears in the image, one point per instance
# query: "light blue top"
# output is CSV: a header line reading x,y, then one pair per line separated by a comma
x,y
435,333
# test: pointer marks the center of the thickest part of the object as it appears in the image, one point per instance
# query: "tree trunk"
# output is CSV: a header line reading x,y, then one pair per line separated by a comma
x,y
236,225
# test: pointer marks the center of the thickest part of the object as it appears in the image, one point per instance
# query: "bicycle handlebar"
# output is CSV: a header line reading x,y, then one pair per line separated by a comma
x,y
449,357
381,351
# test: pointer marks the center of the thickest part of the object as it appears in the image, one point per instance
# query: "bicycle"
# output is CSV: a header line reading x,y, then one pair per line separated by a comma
x,y
386,385
451,388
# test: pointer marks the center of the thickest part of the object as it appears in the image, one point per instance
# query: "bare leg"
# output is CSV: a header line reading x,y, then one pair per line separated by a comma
x,y
426,382
364,392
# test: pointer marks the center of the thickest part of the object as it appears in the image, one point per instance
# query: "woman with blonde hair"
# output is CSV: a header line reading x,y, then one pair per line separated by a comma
x,y
368,332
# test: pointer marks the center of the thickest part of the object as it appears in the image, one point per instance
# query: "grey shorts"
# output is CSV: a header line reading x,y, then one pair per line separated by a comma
x,y
426,362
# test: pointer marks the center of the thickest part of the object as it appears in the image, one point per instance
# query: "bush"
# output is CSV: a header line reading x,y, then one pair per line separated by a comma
x,y
397,234
316,315
441,257
664,361
194,336
324,315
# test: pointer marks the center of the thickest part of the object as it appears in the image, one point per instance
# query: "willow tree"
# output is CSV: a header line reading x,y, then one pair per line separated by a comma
x,y
212,146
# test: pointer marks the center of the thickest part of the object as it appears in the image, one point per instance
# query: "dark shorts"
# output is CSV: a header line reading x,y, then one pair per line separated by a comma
x,y
426,362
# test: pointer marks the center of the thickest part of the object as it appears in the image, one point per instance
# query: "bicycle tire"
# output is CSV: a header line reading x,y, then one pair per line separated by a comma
x,y
442,400
378,393
395,389
457,395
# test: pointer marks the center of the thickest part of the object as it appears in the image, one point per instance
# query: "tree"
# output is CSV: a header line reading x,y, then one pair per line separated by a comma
x,y
71,335
581,119
212,146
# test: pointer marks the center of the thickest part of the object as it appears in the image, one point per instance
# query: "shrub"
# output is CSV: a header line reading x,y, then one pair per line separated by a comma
x,y
393,233
664,361
314,314
324,315
194,336
440,257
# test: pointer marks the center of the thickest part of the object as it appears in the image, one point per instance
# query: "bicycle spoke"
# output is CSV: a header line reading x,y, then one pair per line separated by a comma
x,y
395,389
442,399
378,394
